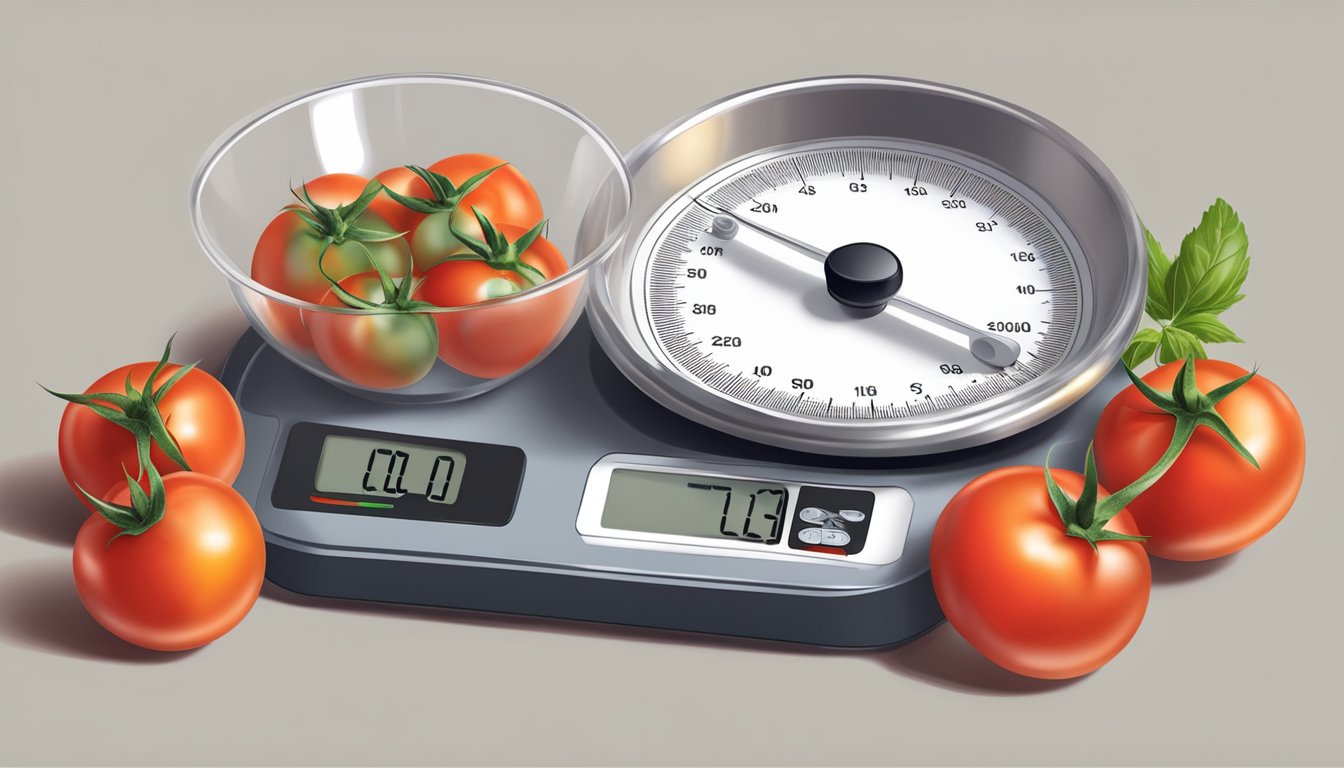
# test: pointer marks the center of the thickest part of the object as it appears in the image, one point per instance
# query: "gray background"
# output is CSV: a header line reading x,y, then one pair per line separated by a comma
x,y
105,109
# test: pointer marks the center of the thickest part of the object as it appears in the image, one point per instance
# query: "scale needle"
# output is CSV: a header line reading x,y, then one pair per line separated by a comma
x,y
988,348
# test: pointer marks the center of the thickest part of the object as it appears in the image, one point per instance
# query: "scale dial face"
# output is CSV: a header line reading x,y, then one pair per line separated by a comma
x,y
750,320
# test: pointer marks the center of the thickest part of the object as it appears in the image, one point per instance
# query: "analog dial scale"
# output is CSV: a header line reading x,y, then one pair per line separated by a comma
x,y
749,316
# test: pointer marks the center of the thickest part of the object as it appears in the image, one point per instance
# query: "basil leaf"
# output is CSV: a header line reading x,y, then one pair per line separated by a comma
x,y
1158,306
1178,345
1142,347
1207,327
1213,263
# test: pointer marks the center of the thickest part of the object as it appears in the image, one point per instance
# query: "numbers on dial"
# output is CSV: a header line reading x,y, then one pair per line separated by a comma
x,y
789,349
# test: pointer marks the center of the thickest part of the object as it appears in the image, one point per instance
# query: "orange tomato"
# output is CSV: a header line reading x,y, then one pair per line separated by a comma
x,y
490,341
184,582
1211,502
1025,594
198,411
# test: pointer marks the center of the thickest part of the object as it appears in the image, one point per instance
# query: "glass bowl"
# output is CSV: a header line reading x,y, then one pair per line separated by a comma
x,y
364,127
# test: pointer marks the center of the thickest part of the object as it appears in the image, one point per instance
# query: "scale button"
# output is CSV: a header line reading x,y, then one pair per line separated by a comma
x,y
813,536
832,537
852,515
814,515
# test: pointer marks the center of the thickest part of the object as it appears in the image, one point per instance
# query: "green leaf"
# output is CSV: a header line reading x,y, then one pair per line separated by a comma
x,y
176,377
159,431
1142,347
139,499
475,181
1105,535
1087,500
1063,504
1160,399
1217,394
1158,306
1207,327
1178,344
529,237
122,517
308,218
1215,422
1213,263
158,500
353,209
414,203
477,246
370,235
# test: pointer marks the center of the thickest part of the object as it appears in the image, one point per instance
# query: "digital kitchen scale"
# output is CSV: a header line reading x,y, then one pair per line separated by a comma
x,y
839,301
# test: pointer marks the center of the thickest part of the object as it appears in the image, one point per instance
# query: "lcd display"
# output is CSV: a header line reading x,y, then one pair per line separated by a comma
x,y
371,467
694,505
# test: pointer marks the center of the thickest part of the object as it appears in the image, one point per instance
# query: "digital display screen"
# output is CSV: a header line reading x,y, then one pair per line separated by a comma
x,y
692,505
370,467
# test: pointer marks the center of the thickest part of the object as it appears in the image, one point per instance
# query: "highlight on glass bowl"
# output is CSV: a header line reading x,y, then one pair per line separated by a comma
x,y
414,237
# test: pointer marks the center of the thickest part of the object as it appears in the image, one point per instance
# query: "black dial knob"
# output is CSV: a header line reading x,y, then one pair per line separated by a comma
x,y
863,276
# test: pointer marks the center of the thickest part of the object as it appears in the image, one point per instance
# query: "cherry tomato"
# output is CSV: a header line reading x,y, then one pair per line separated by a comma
x,y
184,582
379,350
1211,502
198,412
490,341
402,181
286,256
505,197
1028,596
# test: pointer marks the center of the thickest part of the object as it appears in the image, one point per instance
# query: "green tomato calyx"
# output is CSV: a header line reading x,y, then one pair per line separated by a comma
x,y
444,196
337,225
497,251
145,509
1086,517
396,294
137,410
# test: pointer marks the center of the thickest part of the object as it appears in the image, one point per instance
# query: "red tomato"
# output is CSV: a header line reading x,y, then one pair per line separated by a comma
x,y
490,341
380,350
184,582
504,197
286,256
198,411
1028,596
1212,502
402,181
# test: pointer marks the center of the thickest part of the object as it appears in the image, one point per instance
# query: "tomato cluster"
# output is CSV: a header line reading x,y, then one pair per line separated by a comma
x,y
464,231
1047,574
173,557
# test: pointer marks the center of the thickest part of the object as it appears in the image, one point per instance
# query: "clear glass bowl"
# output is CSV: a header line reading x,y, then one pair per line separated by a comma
x,y
369,125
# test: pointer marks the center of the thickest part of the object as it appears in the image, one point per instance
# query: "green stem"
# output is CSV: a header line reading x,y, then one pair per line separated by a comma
x,y
1086,517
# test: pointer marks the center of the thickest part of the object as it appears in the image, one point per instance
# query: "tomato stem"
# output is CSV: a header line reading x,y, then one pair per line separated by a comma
x,y
443,195
145,509
339,224
1085,517
137,411
498,252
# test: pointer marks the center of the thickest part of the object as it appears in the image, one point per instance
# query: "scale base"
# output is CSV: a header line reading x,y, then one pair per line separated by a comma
x,y
566,414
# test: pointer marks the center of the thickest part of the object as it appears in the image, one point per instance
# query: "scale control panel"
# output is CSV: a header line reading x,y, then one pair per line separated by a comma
x,y
670,504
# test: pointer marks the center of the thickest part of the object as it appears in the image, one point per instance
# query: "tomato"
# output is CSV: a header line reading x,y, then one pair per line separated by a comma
x,y
186,580
504,197
1023,592
404,182
286,255
490,341
385,349
1212,501
198,411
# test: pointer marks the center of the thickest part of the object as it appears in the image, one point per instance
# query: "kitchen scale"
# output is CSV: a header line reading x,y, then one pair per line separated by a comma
x,y
840,300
